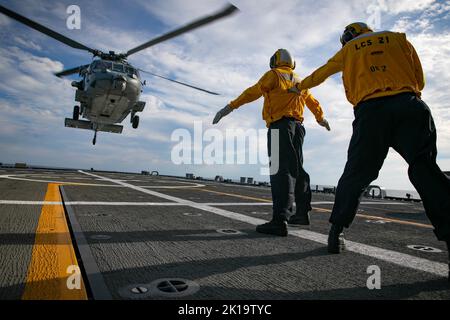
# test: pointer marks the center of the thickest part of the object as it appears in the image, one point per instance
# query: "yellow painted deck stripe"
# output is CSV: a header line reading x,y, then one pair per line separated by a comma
x,y
405,222
366,216
52,254
236,195
417,224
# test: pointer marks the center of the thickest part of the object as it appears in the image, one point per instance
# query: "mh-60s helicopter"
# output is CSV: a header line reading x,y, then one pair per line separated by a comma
x,y
110,87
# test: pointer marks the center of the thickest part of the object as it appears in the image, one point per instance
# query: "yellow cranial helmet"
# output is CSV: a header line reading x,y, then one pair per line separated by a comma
x,y
282,58
354,30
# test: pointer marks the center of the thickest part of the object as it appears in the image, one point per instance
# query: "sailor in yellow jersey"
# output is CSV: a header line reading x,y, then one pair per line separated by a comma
x,y
283,113
383,79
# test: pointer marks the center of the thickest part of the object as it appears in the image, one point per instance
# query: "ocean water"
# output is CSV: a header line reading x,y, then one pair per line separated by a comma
x,y
402,193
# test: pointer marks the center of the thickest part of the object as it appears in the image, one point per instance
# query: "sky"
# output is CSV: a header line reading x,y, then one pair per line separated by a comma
x,y
226,57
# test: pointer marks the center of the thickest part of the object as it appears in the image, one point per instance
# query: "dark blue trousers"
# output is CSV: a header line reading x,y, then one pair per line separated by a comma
x,y
290,181
404,123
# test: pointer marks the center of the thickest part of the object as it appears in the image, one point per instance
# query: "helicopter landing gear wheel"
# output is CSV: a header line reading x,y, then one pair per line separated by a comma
x,y
76,113
135,122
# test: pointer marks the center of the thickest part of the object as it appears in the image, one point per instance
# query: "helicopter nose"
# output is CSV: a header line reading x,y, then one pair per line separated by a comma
x,y
120,78
120,83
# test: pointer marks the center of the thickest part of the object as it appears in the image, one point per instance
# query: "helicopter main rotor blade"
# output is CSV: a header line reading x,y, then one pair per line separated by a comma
x,y
193,25
45,30
182,83
71,71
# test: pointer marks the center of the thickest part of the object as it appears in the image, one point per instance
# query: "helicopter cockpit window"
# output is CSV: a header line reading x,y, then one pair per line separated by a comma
x,y
117,67
107,65
101,66
131,71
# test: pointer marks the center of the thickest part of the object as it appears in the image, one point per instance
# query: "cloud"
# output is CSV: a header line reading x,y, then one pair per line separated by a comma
x,y
29,78
404,6
429,15
4,21
27,44
407,24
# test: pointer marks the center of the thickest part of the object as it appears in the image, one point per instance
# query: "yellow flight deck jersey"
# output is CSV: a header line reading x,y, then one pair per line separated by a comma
x,y
375,64
278,102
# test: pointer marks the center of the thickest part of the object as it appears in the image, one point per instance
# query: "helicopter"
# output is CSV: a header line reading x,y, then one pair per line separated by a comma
x,y
110,87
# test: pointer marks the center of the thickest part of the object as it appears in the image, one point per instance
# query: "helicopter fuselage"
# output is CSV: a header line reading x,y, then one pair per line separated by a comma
x,y
108,92
111,95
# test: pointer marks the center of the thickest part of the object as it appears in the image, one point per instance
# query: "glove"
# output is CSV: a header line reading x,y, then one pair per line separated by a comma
x,y
324,123
222,113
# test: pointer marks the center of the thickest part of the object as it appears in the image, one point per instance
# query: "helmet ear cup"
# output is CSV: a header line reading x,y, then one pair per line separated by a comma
x,y
295,64
354,30
272,61
347,36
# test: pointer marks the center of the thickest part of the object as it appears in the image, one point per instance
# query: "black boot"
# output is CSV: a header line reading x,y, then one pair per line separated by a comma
x,y
300,219
336,242
275,227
